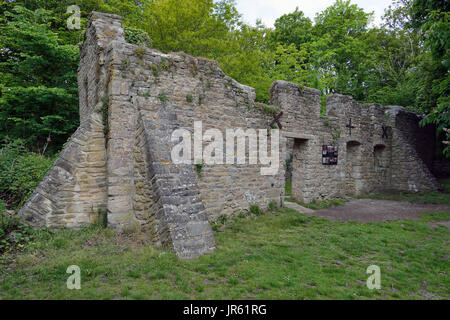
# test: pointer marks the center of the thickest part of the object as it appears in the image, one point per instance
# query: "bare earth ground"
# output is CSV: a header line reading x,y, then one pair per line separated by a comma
x,y
369,210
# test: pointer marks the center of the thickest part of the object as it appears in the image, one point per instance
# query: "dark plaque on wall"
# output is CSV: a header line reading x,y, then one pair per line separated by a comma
x,y
329,155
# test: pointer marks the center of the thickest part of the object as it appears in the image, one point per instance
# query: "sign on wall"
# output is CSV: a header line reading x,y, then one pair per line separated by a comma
x,y
329,155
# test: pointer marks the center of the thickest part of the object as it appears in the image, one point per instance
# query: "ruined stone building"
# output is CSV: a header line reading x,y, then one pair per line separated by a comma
x,y
133,98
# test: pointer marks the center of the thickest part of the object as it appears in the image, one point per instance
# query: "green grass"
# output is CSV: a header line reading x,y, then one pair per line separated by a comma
x,y
288,188
436,216
434,197
283,255
416,197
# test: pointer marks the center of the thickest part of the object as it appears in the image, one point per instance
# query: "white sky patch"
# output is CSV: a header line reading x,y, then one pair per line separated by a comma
x,y
269,10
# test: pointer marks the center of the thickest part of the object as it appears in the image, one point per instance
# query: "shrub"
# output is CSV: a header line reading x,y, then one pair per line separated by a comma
x,y
20,172
199,168
13,233
256,210
163,98
273,206
140,52
137,36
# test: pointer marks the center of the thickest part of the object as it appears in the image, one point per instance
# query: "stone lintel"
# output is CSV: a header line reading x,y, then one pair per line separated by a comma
x,y
297,135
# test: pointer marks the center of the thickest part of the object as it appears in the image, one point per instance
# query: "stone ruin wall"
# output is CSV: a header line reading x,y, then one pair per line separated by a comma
x,y
119,159
133,98
367,162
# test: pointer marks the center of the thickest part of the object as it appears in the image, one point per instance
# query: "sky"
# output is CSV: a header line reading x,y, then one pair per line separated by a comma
x,y
269,10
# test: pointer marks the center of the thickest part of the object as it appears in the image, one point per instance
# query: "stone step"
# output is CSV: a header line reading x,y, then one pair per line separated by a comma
x,y
297,207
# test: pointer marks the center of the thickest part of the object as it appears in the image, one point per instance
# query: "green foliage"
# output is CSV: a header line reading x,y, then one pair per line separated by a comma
x,y
104,111
256,210
163,98
199,27
433,19
273,206
198,168
38,84
189,98
20,172
14,234
293,28
268,109
137,36
140,52
144,95
201,97
288,188
435,216
403,62
101,217
220,222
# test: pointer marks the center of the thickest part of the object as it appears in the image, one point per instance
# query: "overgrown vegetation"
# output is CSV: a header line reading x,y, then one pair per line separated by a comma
x,y
20,172
282,255
404,61
288,188
14,234
269,109
163,98
199,168
38,81
140,52
255,209
137,36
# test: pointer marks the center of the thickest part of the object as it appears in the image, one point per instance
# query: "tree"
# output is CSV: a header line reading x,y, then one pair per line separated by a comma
x,y
397,51
38,81
293,28
197,27
248,59
340,51
432,19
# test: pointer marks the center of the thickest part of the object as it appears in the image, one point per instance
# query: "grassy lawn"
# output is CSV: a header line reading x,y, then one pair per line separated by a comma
x,y
281,255
417,197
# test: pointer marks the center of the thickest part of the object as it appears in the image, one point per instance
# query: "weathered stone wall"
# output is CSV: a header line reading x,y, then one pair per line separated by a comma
x,y
197,90
74,189
368,162
93,70
409,171
131,101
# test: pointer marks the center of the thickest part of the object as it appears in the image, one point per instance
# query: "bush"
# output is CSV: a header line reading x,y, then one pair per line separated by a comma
x,y
13,233
273,206
137,36
256,210
20,172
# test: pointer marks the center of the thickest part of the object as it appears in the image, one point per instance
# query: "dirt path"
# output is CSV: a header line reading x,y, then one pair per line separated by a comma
x,y
369,210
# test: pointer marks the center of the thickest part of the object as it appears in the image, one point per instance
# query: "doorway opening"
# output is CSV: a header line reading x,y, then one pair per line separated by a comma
x,y
354,167
299,170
